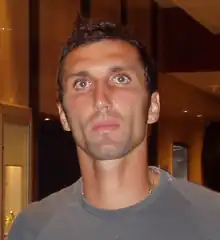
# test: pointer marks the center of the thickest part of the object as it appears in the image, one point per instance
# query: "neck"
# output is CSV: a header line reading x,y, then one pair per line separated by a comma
x,y
115,184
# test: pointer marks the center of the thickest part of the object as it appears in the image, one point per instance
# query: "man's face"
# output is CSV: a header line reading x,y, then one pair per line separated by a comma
x,y
105,100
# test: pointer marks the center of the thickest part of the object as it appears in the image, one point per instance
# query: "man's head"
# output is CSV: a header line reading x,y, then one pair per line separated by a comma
x,y
105,90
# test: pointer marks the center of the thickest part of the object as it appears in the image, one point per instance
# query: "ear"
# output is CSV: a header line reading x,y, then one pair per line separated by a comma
x,y
154,110
63,118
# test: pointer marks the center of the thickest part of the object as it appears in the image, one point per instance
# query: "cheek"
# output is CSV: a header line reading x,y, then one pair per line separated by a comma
x,y
132,104
134,110
140,114
77,110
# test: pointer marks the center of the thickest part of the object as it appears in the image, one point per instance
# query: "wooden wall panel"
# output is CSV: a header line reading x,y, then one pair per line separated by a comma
x,y
56,23
106,10
139,14
14,51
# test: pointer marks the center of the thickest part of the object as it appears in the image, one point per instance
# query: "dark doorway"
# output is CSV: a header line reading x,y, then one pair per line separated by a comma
x,y
58,165
211,156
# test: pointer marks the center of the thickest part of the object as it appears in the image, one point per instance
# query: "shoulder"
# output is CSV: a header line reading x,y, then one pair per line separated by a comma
x,y
36,216
204,202
197,194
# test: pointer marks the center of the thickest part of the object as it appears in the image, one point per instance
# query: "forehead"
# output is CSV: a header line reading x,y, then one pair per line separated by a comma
x,y
105,52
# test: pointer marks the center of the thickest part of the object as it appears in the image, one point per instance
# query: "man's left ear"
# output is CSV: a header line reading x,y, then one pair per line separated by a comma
x,y
154,110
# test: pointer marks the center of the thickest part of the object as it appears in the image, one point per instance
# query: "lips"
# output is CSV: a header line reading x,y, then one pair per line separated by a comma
x,y
105,126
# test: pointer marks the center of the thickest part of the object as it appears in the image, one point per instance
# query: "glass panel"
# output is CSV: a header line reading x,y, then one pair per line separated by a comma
x,y
15,161
180,161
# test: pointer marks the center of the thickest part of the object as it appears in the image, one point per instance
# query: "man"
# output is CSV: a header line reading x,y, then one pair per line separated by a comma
x,y
106,101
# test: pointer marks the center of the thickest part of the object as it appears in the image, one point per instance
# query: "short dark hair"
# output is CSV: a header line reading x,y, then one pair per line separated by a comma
x,y
88,31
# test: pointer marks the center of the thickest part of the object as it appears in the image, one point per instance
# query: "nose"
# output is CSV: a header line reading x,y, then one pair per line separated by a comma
x,y
102,97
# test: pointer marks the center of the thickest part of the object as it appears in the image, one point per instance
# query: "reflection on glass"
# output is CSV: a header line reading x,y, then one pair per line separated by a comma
x,y
15,158
9,220
13,194
180,161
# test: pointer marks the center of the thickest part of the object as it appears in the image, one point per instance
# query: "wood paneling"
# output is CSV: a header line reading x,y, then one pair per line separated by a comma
x,y
14,51
139,20
106,10
56,24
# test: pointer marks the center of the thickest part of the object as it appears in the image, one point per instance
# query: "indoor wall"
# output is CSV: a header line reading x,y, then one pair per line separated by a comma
x,y
106,10
185,113
15,116
14,50
177,96
56,23
16,169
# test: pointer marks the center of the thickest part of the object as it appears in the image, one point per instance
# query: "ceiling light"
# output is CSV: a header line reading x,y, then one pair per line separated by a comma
x,y
199,116
5,29
185,111
46,119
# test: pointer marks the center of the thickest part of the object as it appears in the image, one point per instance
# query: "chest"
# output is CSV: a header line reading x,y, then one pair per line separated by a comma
x,y
150,227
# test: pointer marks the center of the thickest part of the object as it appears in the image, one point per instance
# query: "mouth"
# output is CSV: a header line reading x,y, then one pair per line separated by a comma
x,y
105,126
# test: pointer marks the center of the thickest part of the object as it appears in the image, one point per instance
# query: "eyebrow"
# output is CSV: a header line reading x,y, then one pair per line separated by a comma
x,y
77,74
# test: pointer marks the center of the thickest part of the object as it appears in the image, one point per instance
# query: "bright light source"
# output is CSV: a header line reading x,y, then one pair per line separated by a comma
x,y
199,116
46,119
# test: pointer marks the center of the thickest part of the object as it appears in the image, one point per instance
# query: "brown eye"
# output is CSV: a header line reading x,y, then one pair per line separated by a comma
x,y
81,84
121,79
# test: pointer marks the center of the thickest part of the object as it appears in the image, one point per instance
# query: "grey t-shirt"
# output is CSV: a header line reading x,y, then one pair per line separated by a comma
x,y
176,210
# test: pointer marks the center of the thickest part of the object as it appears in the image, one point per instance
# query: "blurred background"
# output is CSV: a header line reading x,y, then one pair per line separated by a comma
x,y
38,158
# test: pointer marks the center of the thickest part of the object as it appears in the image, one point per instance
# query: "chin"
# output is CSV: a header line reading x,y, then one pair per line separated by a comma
x,y
108,152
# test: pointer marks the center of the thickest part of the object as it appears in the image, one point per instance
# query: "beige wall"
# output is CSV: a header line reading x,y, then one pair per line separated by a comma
x,y
14,52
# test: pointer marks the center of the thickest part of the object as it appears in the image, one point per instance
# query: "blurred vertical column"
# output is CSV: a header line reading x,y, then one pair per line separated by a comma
x,y
153,51
141,20
14,52
56,21
34,64
85,8
15,112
